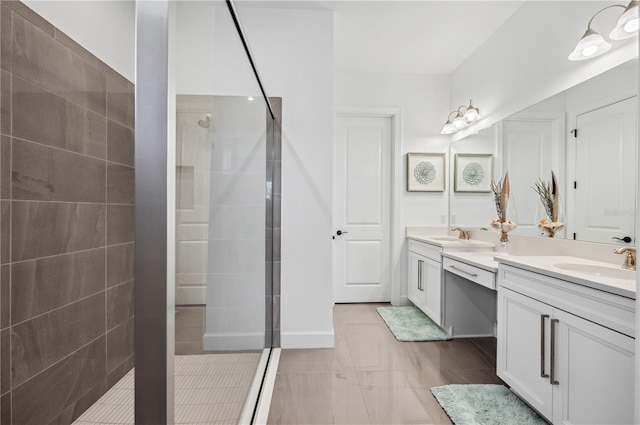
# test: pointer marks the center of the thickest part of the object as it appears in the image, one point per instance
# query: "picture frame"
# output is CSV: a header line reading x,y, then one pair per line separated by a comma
x,y
473,173
426,172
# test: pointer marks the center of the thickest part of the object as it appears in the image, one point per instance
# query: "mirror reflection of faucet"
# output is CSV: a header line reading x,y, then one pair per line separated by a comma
x,y
630,259
464,233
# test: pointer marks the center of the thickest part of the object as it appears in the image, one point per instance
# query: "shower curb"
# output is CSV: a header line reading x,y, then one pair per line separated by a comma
x,y
264,402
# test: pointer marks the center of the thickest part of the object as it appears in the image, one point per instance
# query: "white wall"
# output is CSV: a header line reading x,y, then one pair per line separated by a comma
x,y
525,60
105,28
195,55
293,50
423,102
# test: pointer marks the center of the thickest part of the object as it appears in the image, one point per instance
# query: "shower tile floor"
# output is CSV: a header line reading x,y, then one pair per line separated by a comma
x,y
211,388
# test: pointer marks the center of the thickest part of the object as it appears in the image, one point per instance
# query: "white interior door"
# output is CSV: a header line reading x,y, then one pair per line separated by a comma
x,y
532,148
605,200
362,173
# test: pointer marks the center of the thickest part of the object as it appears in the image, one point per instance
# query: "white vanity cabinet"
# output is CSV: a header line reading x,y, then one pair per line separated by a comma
x,y
425,279
469,294
566,349
415,291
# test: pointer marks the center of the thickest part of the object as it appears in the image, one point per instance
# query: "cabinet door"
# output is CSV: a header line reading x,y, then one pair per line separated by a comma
x,y
432,285
523,348
595,373
415,291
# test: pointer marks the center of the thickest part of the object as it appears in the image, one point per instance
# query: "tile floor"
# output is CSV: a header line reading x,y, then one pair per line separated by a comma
x,y
211,388
371,378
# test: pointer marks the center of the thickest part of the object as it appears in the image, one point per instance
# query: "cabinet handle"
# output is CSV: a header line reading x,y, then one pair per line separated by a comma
x,y
464,271
542,344
552,378
420,262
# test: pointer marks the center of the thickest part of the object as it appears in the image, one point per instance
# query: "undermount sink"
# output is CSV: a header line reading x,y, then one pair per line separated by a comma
x,y
443,238
595,270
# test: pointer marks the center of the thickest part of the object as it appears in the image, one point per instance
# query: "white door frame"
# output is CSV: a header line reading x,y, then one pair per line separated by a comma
x,y
396,234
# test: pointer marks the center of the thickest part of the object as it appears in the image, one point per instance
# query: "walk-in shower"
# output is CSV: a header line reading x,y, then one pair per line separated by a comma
x,y
222,299
226,217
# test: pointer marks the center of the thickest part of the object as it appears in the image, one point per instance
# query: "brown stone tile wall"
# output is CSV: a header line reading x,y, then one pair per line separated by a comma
x,y
66,222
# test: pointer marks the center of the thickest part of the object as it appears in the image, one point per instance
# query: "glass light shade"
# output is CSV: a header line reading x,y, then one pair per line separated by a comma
x,y
472,114
459,122
590,45
627,25
448,128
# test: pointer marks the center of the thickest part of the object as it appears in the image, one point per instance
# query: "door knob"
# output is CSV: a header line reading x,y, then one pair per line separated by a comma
x,y
626,239
340,232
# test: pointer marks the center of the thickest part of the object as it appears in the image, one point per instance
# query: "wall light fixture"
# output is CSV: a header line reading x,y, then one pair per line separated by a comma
x,y
464,116
593,44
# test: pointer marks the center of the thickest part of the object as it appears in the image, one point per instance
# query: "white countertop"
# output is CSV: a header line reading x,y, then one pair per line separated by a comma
x,y
546,265
450,243
482,259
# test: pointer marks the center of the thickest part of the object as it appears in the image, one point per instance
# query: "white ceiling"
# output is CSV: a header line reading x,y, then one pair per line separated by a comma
x,y
419,36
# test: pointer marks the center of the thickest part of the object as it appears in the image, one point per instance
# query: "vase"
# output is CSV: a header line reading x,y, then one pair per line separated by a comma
x,y
504,223
503,249
548,227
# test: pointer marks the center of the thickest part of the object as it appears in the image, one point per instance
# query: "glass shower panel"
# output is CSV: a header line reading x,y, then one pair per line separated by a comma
x,y
235,308
224,221
223,262
221,218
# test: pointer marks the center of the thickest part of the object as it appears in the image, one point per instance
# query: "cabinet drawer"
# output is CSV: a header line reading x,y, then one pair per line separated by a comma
x,y
609,310
472,273
426,250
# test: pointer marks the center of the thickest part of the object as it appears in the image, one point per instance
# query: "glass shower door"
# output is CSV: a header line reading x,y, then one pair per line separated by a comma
x,y
224,259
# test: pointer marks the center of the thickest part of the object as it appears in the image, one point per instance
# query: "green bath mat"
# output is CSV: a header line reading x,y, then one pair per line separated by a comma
x,y
484,405
411,324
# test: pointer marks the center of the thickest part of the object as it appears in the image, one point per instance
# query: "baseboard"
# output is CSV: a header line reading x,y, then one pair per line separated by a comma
x,y
404,301
473,336
307,339
239,341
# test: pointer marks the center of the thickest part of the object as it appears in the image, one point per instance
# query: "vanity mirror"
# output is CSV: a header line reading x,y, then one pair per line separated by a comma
x,y
588,136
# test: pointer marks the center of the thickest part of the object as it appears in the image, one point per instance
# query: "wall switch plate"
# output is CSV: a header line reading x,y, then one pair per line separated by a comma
x,y
453,218
443,219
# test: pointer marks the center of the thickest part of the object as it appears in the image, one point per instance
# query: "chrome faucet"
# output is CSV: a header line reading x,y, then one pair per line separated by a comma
x,y
464,233
630,259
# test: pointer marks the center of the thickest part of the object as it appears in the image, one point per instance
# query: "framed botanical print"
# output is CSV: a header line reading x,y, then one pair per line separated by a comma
x,y
426,172
473,172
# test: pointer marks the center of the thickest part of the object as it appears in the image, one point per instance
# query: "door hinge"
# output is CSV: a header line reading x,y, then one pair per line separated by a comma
x,y
575,185
575,132
574,236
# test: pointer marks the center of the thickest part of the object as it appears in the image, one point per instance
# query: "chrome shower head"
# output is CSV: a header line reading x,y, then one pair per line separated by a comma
x,y
205,122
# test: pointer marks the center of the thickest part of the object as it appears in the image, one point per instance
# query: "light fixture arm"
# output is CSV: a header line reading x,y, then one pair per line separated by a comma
x,y
592,44
602,10
457,112
461,118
